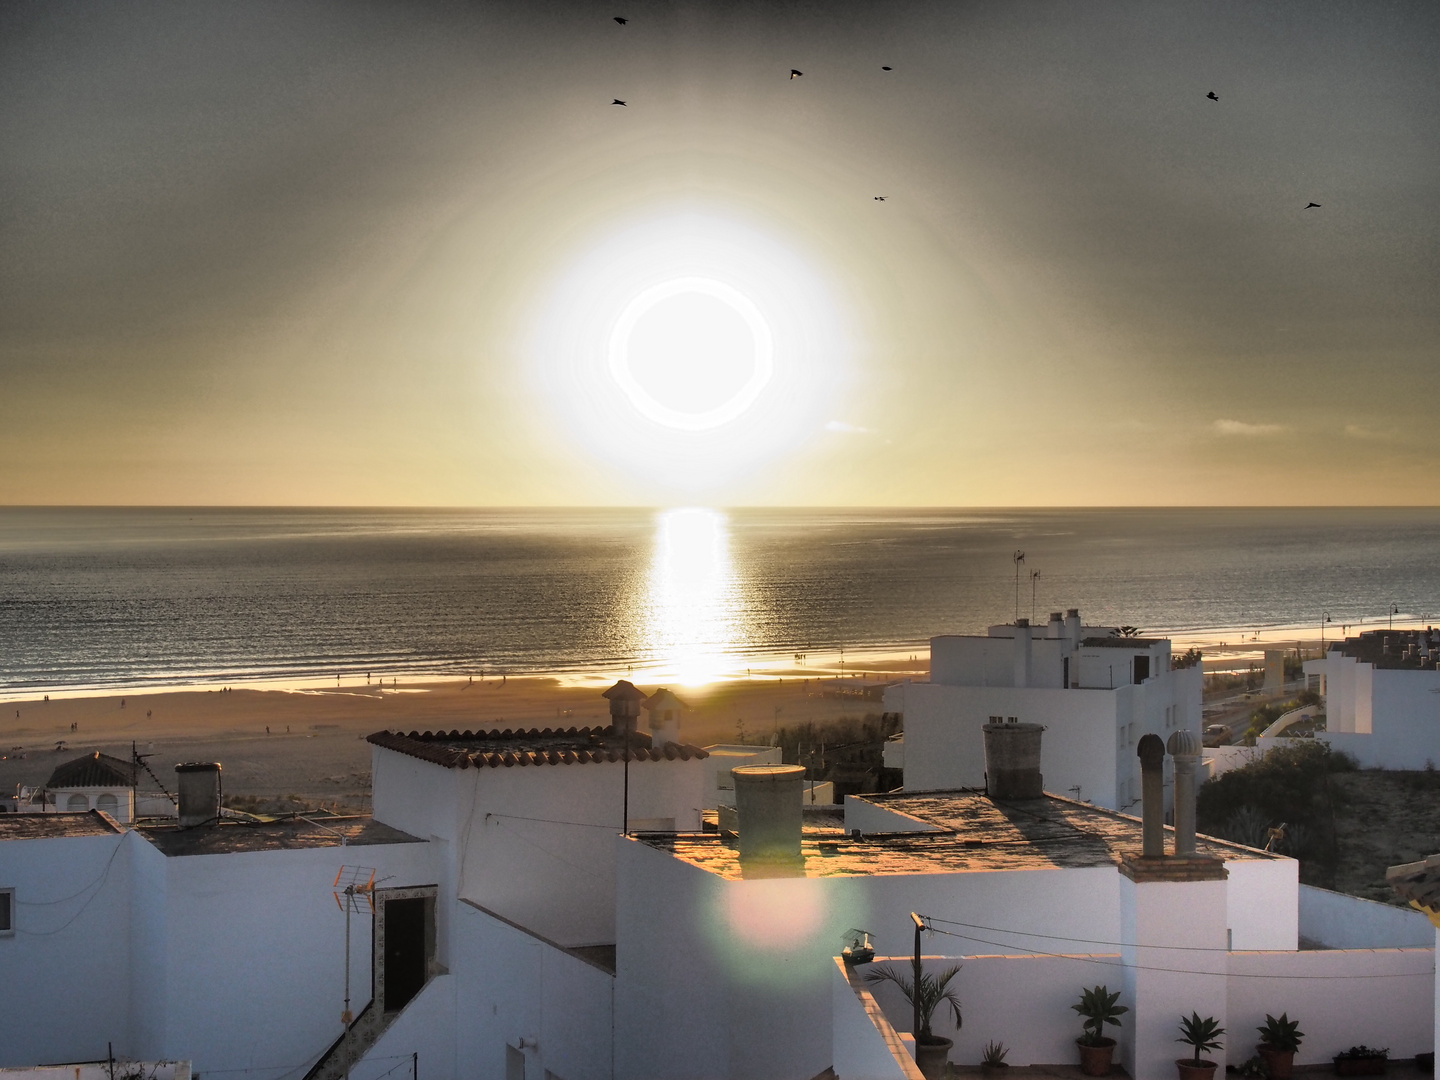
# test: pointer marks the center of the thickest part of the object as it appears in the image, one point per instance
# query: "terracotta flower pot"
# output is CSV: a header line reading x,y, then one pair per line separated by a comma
x,y
1278,1063
1095,1058
1190,1071
932,1056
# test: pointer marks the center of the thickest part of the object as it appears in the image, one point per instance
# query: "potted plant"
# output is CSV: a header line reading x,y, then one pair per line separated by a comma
x,y
1361,1060
994,1059
1202,1035
932,1052
1097,1050
1279,1039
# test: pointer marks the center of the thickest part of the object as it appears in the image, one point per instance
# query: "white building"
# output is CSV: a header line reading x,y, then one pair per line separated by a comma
x,y
1096,691
1382,697
520,934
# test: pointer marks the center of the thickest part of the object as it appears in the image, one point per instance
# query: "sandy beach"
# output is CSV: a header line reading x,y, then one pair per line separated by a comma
x,y
308,745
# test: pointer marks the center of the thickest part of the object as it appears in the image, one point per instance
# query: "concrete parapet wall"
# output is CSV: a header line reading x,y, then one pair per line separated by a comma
x,y
1337,921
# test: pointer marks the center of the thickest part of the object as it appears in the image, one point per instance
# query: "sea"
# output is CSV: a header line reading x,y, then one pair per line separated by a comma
x,y
96,599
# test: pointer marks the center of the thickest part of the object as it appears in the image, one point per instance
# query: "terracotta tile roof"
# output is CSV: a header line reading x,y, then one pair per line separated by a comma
x,y
93,770
531,746
41,826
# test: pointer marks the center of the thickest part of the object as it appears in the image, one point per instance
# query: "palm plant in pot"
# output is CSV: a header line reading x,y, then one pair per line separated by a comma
x,y
1279,1039
1097,1050
932,1052
1202,1035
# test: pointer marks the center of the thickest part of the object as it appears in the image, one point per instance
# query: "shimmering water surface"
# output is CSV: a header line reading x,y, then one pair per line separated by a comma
x,y
118,597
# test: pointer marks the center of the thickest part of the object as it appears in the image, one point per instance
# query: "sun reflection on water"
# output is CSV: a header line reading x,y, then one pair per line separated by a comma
x,y
694,623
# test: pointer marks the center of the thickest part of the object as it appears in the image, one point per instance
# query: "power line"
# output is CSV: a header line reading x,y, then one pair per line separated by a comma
x,y
1183,971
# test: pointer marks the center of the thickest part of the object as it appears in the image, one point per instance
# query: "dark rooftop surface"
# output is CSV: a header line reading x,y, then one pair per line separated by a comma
x,y
531,746
93,770
1118,642
236,836
40,826
975,833
1393,649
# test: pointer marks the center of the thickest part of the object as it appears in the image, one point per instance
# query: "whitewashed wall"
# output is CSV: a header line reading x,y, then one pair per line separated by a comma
x,y
1262,902
516,987
420,1041
66,969
865,1044
1379,997
1338,921
257,938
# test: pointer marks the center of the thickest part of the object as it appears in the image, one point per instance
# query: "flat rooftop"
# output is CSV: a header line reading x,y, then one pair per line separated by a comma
x,y
40,826
527,746
1393,649
229,837
971,833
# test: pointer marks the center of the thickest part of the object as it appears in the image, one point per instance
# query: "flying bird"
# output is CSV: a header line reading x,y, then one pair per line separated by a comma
x,y
795,74
621,21
886,67
1313,206
1212,96
880,198
617,101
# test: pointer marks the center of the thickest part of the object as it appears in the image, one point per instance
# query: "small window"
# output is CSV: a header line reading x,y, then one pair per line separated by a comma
x,y
77,802
1012,719
7,912
997,719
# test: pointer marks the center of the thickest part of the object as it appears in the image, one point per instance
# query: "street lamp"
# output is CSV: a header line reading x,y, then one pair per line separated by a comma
x,y
1394,610
1324,618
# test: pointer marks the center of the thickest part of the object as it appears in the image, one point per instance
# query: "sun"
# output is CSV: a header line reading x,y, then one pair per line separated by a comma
x,y
676,353
687,350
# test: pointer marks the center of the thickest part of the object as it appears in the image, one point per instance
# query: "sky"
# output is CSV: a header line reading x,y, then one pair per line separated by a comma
x,y
411,254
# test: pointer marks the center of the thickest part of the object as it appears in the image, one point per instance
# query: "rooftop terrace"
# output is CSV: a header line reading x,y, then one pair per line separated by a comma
x,y
1413,650
970,832
40,826
229,837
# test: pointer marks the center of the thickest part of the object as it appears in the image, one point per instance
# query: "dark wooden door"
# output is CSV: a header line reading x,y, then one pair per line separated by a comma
x,y
404,951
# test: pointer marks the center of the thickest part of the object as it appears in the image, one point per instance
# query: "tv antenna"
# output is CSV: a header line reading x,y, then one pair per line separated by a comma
x,y
353,885
1017,558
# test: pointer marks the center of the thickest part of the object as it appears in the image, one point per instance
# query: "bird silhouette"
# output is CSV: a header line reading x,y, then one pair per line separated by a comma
x,y
617,101
1212,96
620,20
886,67
795,74
880,198
1313,206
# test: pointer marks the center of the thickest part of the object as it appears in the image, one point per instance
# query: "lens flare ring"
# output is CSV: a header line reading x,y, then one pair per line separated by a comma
x,y
726,411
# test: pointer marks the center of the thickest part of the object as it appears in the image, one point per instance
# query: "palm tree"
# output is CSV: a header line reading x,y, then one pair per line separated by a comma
x,y
934,990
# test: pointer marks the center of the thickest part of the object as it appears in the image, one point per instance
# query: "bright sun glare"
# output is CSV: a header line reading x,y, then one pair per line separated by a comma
x,y
692,354
693,617
688,350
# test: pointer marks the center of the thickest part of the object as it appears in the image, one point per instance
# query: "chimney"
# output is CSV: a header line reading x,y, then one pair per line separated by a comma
x,y
1056,628
1022,653
770,819
1012,761
1186,752
199,783
1072,626
625,701
664,709
1151,752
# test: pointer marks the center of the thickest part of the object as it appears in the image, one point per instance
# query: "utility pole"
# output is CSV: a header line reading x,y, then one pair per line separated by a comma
x,y
919,921
1034,577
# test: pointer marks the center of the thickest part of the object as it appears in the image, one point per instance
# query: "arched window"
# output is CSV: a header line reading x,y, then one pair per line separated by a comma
x,y
107,802
77,802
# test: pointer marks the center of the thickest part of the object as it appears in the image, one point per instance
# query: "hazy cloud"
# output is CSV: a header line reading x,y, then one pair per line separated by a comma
x,y
1240,427
845,429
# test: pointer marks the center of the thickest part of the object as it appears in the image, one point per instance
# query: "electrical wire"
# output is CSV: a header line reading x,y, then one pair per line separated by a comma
x,y
98,883
1184,971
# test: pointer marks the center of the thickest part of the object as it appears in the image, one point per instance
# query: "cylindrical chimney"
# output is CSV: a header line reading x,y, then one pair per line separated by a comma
x,y
1151,752
1012,761
1186,752
199,783
767,804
